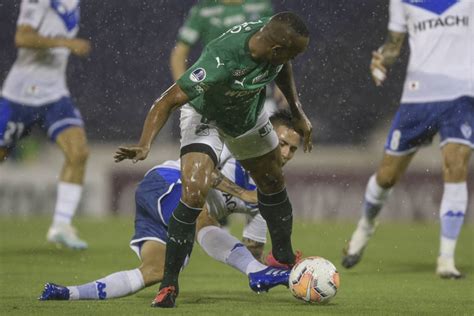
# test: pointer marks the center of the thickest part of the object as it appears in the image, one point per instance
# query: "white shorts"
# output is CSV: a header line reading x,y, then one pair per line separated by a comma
x,y
258,141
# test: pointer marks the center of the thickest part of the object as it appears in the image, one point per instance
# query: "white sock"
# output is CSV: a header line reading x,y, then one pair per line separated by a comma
x,y
222,246
452,211
118,284
68,197
374,199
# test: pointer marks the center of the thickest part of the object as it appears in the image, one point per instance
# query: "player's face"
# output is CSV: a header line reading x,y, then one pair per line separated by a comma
x,y
289,142
281,55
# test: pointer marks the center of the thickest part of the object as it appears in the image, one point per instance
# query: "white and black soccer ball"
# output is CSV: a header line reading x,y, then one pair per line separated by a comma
x,y
314,280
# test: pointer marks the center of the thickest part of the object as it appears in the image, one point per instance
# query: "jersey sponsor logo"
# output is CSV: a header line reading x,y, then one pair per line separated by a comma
x,y
240,72
466,130
198,75
219,62
435,6
70,17
448,21
229,202
241,93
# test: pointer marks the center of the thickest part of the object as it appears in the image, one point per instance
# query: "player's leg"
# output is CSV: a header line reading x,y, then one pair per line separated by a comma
x,y
453,205
411,127
73,143
254,235
64,126
3,154
274,204
118,284
196,169
377,191
457,143
222,246
200,148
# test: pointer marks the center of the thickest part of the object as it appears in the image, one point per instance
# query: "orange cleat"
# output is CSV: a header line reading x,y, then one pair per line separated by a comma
x,y
272,262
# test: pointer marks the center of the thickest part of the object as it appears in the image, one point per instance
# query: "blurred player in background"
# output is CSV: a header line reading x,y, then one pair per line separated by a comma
x,y
156,198
207,20
35,93
224,92
438,97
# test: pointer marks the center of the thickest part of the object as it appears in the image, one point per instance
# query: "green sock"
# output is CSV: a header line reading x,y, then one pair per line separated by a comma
x,y
181,231
277,211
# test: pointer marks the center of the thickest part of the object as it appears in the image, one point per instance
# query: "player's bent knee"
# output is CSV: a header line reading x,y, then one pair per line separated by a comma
x,y
77,156
152,274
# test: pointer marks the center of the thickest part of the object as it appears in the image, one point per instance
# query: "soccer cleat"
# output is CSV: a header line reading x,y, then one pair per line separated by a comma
x,y
272,262
65,235
356,245
264,280
447,270
166,298
54,292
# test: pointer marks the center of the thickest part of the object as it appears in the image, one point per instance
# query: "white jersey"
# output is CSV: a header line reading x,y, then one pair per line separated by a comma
x,y
38,76
441,37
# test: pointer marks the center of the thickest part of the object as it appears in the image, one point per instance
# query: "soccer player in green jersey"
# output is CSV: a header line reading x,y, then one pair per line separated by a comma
x,y
207,20
224,93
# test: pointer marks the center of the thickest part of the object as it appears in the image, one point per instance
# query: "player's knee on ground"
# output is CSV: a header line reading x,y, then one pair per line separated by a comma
x,y
455,162
255,247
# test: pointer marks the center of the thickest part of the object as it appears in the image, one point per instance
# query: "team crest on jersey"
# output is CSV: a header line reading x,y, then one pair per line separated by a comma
x,y
435,6
466,130
198,75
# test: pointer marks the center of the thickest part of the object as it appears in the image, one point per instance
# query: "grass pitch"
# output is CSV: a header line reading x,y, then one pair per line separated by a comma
x,y
395,277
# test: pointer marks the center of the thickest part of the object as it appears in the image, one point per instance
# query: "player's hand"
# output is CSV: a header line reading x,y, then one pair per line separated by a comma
x,y
377,68
79,47
135,153
250,196
303,126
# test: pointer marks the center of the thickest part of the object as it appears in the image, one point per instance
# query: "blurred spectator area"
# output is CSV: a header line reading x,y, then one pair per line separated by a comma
x,y
129,66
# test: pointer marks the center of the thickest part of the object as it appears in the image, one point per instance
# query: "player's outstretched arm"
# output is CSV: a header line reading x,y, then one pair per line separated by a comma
x,y
386,56
286,82
224,184
27,37
159,113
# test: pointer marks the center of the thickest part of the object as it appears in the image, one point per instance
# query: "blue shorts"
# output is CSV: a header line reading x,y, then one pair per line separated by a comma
x,y
156,198
16,120
415,124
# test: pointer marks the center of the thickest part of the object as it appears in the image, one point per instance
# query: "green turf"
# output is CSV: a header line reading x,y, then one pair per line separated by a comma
x,y
396,276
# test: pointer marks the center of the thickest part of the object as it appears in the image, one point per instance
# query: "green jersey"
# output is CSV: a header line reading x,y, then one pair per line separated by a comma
x,y
225,85
210,18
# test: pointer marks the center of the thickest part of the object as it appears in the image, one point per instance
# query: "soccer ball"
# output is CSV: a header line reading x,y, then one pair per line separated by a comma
x,y
314,280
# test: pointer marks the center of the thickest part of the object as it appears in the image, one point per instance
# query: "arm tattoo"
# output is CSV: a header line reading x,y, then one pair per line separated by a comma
x,y
221,183
392,46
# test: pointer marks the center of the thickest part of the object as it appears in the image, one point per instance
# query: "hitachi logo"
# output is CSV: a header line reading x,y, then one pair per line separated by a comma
x,y
441,22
